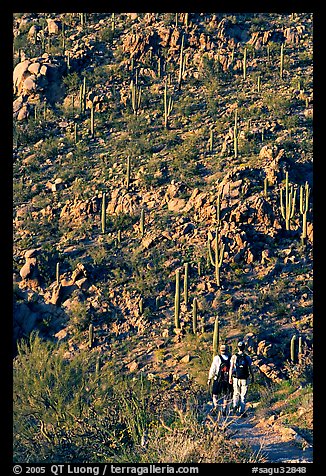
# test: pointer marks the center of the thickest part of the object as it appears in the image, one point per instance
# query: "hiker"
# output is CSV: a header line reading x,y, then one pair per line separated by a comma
x,y
240,369
219,373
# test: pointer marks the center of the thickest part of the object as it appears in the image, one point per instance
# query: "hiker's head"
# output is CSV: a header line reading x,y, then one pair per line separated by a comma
x,y
241,345
223,348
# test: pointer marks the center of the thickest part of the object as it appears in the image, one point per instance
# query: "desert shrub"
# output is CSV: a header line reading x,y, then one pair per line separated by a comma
x,y
79,314
60,412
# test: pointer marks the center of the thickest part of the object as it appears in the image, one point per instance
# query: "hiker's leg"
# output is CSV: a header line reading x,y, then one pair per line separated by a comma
x,y
243,394
236,392
228,398
215,400
215,392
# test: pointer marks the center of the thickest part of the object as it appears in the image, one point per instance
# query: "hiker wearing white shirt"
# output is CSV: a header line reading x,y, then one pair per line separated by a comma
x,y
219,374
240,369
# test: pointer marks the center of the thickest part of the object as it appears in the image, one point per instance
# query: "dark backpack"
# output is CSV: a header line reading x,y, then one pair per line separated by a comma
x,y
241,369
224,369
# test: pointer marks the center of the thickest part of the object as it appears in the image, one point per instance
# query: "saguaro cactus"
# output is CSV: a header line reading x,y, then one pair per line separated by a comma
x,y
76,132
177,300
235,135
103,214
185,283
141,306
57,273
244,63
92,121
216,336
292,348
265,186
219,253
194,315
304,207
159,67
135,96
199,267
44,109
113,22
300,350
168,105
211,139
98,366
90,336
287,210
181,64
128,173
84,95
281,60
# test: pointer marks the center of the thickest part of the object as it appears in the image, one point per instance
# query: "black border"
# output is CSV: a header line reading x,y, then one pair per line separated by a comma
x,y
7,200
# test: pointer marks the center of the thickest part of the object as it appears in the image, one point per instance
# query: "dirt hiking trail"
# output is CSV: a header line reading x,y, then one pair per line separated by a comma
x,y
276,444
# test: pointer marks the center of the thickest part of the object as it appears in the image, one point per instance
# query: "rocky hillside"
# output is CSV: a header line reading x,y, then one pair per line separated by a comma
x,y
162,178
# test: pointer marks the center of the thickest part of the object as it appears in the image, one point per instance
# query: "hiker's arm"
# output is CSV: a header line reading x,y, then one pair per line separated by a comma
x,y
231,370
212,371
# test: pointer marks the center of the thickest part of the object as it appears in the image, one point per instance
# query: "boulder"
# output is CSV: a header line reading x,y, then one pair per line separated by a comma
x,y
176,204
20,74
30,268
54,26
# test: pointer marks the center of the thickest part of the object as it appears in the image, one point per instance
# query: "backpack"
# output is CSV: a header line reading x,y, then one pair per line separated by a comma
x,y
224,369
241,369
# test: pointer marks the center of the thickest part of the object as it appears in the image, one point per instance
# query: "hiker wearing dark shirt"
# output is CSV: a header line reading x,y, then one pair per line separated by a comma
x,y
219,374
240,369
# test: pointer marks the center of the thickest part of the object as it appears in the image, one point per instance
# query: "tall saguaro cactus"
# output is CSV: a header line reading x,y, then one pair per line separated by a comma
x,y
300,350
304,207
235,135
287,209
83,105
281,60
216,336
113,22
194,315
135,90
181,63
219,254
92,121
76,132
265,186
57,273
90,336
185,283
168,106
211,139
128,172
292,348
244,63
177,300
103,213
